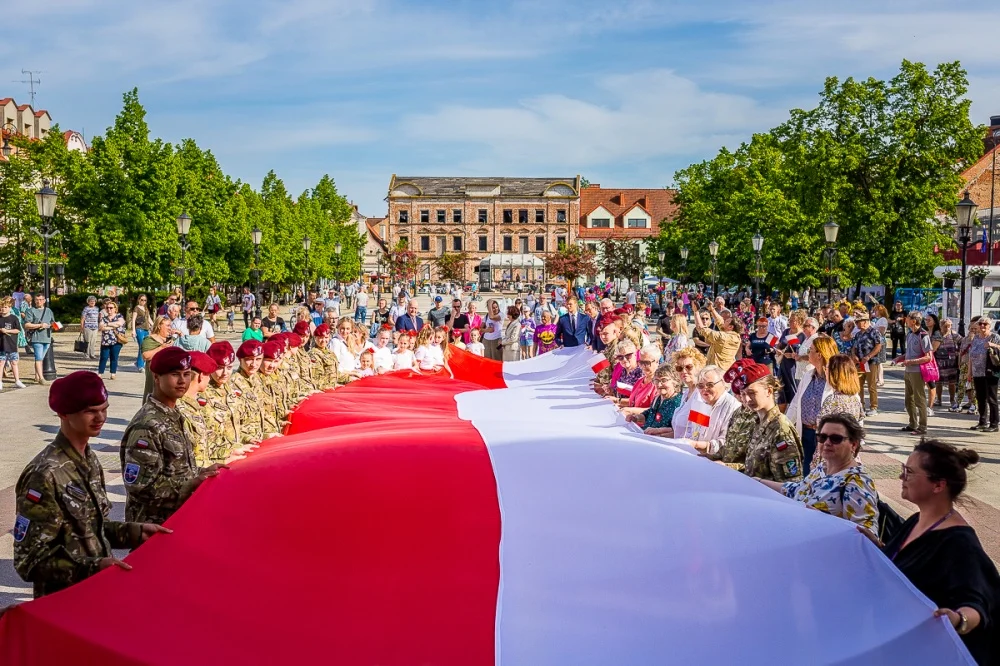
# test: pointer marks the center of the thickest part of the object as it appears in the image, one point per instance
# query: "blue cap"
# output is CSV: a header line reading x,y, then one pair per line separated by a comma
x,y
437,299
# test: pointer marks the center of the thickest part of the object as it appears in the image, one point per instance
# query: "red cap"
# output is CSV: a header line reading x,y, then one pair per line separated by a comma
x,y
171,359
203,363
76,392
294,339
273,349
250,349
222,353
301,328
322,331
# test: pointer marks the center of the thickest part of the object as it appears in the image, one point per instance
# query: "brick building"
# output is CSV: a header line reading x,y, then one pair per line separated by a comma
x,y
623,213
502,221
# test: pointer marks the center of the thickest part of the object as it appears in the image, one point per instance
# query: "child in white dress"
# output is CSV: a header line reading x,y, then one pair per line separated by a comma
x,y
475,346
402,359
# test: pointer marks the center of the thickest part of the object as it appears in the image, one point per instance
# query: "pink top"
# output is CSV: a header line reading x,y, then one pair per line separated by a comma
x,y
474,322
643,394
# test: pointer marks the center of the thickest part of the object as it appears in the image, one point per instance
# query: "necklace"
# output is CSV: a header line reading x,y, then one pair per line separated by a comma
x,y
929,529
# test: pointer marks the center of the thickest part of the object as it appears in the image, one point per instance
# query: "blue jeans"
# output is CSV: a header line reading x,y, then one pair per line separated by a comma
x,y
808,448
40,349
361,314
140,335
112,353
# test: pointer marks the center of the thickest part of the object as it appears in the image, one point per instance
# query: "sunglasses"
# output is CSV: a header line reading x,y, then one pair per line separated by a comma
x,y
708,386
647,362
682,368
822,438
623,357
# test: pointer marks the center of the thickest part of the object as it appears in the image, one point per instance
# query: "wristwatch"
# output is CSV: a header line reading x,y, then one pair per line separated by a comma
x,y
963,623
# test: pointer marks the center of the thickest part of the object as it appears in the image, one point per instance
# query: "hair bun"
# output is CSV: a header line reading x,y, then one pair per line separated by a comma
x,y
968,457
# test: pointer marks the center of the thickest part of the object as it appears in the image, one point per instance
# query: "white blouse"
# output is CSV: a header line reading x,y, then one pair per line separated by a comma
x,y
429,357
345,357
383,358
402,360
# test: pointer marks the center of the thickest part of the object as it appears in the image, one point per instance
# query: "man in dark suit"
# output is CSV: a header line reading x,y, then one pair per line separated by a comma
x,y
573,328
411,321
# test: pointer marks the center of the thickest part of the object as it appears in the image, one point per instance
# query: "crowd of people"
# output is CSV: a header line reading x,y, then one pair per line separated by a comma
x,y
779,398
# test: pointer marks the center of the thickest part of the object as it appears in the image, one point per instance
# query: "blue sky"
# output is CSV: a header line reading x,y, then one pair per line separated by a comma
x,y
624,93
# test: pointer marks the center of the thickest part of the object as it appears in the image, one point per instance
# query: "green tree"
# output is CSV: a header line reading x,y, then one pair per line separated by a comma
x,y
570,262
451,266
403,262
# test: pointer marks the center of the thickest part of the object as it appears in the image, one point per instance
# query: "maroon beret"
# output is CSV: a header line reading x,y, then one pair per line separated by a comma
x,y
171,359
273,349
294,339
301,328
755,371
222,353
203,363
250,349
322,330
76,392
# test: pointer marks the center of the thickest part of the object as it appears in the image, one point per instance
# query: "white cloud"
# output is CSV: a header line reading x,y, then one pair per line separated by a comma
x,y
640,116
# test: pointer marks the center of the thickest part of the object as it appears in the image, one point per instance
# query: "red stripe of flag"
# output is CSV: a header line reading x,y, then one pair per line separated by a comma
x,y
602,364
772,339
699,418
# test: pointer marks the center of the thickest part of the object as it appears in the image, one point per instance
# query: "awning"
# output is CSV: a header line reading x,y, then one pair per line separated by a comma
x,y
511,260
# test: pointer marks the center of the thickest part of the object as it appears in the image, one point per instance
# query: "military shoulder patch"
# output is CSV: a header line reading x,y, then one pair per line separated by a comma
x,y
141,444
33,495
21,528
781,446
131,473
75,491
792,466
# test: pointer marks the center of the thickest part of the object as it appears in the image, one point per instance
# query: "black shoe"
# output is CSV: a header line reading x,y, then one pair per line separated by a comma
x,y
978,426
991,429
906,429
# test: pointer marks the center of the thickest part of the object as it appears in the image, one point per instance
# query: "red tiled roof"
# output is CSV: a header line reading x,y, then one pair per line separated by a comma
x,y
659,203
372,224
43,112
6,100
978,181
23,107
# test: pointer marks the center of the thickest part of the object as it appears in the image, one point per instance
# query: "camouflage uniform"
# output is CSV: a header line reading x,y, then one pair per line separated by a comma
x,y
604,376
157,463
251,419
270,404
774,451
733,451
225,404
303,367
195,428
62,529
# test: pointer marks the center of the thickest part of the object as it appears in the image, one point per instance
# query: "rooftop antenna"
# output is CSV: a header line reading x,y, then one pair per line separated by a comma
x,y
32,81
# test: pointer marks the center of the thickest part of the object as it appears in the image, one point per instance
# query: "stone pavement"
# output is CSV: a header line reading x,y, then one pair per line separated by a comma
x,y
29,425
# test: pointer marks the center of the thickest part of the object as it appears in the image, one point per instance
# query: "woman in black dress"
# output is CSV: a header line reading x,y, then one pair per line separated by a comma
x,y
939,552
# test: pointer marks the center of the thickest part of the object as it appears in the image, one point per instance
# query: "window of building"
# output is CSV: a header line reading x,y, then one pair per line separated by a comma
x,y
561,216
539,216
440,217
425,243
425,216
405,241
600,223
508,243
442,245
456,243
522,245
404,217
522,216
592,247
381,231
508,216
539,243
560,242
482,243
482,216
637,223
456,216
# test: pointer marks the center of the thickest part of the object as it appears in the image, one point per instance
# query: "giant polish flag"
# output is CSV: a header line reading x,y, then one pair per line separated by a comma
x,y
489,515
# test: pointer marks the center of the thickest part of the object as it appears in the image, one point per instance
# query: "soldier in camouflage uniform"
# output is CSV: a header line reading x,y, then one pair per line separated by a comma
x,y
331,374
157,458
301,368
272,394
774,451
225,405
245,380
609,333
197,413
62,533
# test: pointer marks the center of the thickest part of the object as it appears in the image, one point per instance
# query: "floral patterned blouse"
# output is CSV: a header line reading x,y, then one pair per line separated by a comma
x,y
848,494
841,403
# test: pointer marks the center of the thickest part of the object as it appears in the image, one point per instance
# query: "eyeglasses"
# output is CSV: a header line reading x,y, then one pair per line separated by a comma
x,y
707,387
822,438
624,357
647,362
682,368
905,472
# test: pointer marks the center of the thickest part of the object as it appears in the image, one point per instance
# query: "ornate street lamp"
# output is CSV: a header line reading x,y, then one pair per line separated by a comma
x,y
256,236
758,245
183,229
45,201
306,244
713,251
684,264
661,255
965,217
830,230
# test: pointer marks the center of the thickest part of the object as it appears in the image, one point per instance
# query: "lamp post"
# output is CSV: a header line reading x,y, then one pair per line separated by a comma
x,y
965,215
183,229
256,236
684,264
758,244
306,244
830,230
713,251
379,264
661,255
45,200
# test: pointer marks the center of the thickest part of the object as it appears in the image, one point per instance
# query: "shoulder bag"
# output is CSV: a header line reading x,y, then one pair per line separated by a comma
x,y
929,371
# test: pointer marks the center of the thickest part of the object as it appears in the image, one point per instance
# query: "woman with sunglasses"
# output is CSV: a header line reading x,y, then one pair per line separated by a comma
x,y
141,323
644,390
687,363
839,484
940,554
626,373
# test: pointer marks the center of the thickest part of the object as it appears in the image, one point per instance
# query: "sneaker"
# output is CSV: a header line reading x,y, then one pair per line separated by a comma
x,y
991,429
20,384
953,408
871,412
918,432
906,428
973,410
978,426
930,412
